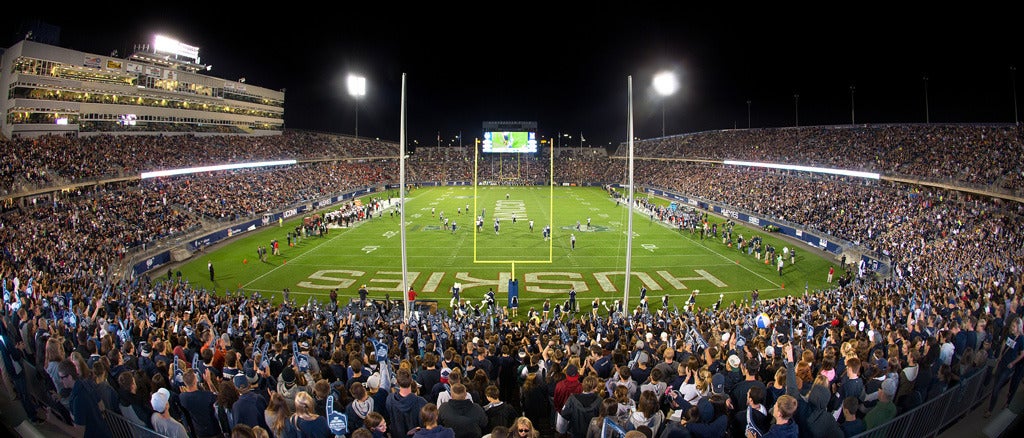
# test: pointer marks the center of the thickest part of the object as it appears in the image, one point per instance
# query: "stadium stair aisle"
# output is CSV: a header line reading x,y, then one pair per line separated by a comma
x,y
1002,423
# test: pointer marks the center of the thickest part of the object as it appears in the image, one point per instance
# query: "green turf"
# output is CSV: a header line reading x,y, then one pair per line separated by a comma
x,y
664,260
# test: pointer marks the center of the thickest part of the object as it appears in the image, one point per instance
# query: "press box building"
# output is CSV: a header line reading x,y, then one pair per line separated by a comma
x,y
160,88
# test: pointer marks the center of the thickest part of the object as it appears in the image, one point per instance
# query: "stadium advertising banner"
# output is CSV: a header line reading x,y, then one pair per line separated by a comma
x,y
152,263
445,183
219,235
875,265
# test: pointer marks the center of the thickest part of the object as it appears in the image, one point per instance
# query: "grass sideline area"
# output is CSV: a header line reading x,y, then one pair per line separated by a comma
x,y
665,260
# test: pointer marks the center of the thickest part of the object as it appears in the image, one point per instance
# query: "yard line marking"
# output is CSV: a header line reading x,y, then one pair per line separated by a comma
x,y
305,253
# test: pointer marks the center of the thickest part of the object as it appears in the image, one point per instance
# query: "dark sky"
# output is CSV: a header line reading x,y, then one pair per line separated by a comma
x,y
566,68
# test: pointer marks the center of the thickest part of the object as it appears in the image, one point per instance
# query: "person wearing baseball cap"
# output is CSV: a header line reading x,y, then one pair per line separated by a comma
x,y
249,407
718,384
885,409
380,398
163,422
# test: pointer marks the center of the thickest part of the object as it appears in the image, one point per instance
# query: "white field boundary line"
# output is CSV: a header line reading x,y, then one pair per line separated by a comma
x,y
721,255
346,231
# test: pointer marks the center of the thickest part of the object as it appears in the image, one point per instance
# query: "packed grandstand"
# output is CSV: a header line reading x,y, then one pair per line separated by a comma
x,y
946,320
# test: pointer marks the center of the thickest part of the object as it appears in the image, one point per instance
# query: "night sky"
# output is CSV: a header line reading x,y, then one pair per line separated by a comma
x,y
566,68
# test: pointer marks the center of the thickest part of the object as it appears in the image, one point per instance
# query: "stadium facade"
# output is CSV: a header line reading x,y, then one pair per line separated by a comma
x,y
55,90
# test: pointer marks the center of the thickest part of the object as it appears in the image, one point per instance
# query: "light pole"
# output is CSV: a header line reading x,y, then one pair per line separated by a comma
x,y
927,117
796,108
665,83
748,114
1013,86
356,89
853,106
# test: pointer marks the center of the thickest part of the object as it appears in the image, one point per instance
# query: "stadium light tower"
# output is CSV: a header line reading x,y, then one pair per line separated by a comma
x,y
927,116
357,89
1013,87
748,113
666,84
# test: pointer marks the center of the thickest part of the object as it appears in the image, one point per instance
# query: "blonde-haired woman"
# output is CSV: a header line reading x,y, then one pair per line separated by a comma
x,y
696,386
523,428
305,422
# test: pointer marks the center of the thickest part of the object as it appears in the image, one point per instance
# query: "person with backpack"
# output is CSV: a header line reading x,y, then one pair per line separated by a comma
x,y
582,407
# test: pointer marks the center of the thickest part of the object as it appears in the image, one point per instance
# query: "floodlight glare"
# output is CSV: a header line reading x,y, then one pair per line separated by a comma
x,y
665,83
830,171
356,86
215,168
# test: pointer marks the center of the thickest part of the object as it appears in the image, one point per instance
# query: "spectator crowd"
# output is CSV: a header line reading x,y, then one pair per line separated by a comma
x,y
185,361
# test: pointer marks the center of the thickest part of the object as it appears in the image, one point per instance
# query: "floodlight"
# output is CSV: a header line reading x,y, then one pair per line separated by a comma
x,y
356,86
665,83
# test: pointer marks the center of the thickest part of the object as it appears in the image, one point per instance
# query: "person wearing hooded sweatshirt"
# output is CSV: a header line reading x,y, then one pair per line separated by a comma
x,y
498,412
289,385
807,416
582,407
622,378
360,407
428,417
403,407
462,415
819,395
568,386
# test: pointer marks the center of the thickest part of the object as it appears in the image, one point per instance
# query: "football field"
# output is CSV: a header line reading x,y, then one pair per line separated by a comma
x,y
665,260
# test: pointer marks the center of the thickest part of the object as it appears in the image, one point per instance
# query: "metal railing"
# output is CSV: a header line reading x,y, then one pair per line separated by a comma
x,y
121,427
933,416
